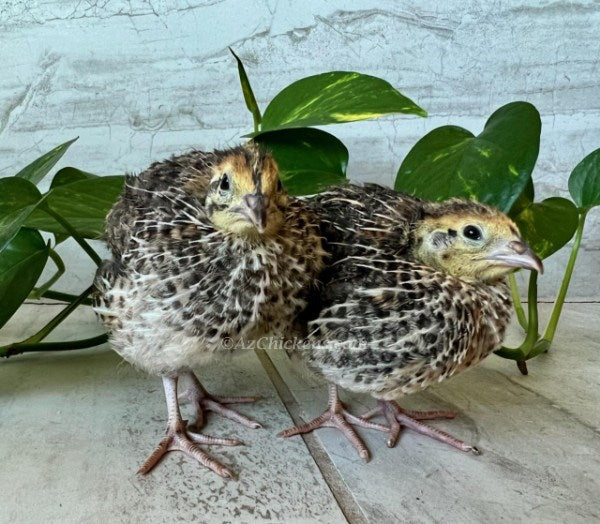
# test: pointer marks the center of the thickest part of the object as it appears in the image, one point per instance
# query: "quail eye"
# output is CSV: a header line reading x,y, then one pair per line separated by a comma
x,y
472,233
224,185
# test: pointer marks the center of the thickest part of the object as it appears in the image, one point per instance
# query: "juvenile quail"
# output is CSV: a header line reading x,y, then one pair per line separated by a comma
x,y
208,252
415,294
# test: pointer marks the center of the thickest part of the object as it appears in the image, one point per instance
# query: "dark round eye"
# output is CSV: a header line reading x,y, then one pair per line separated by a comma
x,y
472,232
224,185
279,186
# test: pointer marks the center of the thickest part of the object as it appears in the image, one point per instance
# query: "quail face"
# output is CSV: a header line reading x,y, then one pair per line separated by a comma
x,y
474,245
245,196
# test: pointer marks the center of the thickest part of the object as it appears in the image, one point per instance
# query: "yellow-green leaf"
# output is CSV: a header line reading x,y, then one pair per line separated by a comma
x,y
548,225
493,167
335,97
40,167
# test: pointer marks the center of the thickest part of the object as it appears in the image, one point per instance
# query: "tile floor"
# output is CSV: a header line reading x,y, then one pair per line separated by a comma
x,y
74,427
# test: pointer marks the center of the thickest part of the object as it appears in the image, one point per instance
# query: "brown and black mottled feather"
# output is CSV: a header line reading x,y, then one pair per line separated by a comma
x,y
385,323
208,253
389,328
366,220
178,286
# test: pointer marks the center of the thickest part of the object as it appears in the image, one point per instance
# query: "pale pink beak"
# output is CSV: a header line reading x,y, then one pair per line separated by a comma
x,y
517,253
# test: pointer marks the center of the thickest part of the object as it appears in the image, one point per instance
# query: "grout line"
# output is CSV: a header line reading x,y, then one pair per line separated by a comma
x,y
342,495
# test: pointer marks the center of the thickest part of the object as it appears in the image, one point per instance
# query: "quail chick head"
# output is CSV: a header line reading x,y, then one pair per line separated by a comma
x,y
415,294
208,252
471,241
246,199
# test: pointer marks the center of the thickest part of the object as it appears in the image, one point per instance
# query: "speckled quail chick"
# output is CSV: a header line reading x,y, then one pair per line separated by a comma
x,y
415,294
208,252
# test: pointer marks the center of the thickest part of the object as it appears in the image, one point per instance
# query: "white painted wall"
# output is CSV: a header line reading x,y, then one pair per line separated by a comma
x,y
139,80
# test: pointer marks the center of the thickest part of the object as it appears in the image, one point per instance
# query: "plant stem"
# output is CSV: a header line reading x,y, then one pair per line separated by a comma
x,y
18,348
64,297
532,331
71,230
37,292
510,353
532,310
540,346
50,326
514,289
562,293
522,365
521,354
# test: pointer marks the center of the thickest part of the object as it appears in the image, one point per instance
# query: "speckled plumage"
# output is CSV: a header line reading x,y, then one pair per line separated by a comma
x,y
183,288
408,300
397,326
178,286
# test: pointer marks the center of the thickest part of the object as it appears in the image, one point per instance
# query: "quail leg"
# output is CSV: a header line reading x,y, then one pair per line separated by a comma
x,y
204,401
179,439
398,418
336,416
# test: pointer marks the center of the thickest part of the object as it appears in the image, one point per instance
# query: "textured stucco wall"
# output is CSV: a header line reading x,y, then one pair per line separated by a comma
x,y
139,80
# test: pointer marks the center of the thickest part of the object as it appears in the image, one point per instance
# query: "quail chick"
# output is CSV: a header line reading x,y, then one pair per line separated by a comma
x,y
414,295
208,252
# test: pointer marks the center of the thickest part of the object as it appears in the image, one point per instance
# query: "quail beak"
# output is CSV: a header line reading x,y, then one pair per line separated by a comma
x,y
517,253
254,208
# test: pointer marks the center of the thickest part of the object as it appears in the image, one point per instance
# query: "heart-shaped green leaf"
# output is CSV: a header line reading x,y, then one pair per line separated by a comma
x,y
21,264
548,225
493,167
309,160
18,199
84,204
68,175
334,97
39,168
584,182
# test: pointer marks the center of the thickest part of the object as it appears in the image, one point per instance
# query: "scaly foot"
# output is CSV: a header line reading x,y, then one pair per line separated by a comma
x,y
336,416
398,418
178,439
204,401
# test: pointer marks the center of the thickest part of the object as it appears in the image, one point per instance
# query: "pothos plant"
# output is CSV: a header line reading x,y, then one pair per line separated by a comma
x,y
74,206
494,167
